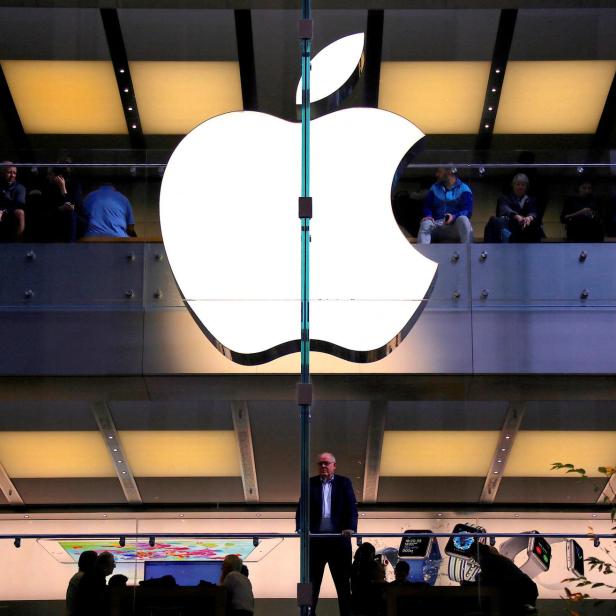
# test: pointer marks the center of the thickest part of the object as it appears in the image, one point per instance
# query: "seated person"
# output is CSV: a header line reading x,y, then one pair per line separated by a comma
x,y
367,580
401,572
240,600
518,592
56,212
517,218
108,213
447,209
12,204
581,216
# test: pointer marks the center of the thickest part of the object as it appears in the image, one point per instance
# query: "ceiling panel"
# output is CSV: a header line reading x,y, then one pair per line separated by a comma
x,y
554,97
569,415
181,453
534,451
429,489
172,415
437,453
423,93
445,415
65,97
174,97
52,34
47,454
564,34
410,34
548,490
191,489
93,490
189,34
46,415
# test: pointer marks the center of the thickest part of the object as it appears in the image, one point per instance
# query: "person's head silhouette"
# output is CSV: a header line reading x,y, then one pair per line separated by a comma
x,y
87,560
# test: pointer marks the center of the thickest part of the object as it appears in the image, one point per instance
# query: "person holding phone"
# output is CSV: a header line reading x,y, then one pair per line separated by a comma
x,y
447,209
333,510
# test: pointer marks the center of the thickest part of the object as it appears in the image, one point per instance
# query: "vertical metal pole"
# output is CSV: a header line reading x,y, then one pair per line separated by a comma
x,y
304,409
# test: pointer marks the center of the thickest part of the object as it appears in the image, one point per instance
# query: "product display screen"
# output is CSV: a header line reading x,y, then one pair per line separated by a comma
x,y
414,547
188,573
542,551
461,546
172,550
577,558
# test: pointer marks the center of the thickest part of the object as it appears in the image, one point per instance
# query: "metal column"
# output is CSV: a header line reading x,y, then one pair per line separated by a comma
x,y
304,391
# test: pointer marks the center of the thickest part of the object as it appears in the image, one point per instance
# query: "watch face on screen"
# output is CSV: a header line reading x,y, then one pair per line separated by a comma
x,y
541,550
575,558
461,546
415,547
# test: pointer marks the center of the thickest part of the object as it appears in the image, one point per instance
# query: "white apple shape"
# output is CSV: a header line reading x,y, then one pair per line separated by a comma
x,y
229,217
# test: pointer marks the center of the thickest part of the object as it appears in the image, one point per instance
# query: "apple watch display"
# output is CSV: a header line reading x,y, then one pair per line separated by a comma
x,y
575,558
414,546
461,546
541,551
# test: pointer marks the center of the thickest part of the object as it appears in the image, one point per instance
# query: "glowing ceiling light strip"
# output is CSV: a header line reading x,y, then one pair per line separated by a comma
x,y
439,97
554,96
174,97
65,97
437,453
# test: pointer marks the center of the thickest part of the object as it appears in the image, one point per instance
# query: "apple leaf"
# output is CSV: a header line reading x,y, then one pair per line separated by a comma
x,y
332,67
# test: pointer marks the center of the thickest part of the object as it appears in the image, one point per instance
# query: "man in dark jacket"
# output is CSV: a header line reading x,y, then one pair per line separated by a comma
x,y
517,217
12,203
333,509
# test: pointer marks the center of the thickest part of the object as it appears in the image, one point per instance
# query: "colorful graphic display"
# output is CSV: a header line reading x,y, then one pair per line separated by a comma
x,y
171,550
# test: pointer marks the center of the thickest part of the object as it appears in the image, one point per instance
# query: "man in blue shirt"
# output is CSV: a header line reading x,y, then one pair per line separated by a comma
x,y
448,207
108,214
12,203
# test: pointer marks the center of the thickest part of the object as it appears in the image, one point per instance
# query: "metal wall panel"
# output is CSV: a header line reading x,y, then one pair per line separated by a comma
x,y
115,309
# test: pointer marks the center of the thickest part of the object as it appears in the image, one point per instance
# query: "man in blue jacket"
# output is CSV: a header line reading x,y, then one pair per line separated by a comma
x,y
448,207
333,509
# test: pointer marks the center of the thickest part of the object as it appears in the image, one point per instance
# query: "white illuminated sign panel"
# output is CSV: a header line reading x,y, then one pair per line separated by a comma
x,y
229,218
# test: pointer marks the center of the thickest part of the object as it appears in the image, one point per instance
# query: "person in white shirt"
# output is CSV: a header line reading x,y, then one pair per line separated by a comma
x,y
240,600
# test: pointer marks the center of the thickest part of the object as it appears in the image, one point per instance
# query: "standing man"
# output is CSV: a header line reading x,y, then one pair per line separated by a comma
x,y
448,207
333,509
12,203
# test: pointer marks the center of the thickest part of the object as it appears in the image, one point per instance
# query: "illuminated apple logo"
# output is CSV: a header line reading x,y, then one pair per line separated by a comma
x,y
229,218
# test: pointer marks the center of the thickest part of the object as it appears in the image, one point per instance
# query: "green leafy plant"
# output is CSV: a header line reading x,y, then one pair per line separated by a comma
x,y
605,565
